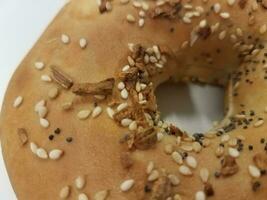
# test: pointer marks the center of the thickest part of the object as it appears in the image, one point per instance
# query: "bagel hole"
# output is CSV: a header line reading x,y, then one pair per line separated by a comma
x,y
191,107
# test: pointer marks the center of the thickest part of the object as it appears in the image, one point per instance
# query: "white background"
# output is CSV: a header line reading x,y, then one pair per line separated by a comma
x,y
22,22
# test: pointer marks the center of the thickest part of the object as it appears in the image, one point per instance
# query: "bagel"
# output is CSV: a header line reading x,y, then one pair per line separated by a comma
x,y
80,118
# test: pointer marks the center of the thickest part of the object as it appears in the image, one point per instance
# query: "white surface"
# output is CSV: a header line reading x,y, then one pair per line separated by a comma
x,y
22,22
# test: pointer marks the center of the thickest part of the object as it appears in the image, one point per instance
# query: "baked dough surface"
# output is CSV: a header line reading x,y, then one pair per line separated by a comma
x,y
233,154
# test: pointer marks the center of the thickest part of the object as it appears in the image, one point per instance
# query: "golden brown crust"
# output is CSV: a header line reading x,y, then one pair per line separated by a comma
x,y
48,146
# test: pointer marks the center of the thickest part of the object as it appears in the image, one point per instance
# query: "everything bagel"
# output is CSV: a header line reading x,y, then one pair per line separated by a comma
x,y
80,118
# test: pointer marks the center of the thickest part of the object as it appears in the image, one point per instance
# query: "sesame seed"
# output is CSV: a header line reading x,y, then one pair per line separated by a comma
x,y
67,106
241,137
140,96
41,153
186,147
240,116
124,1
44,123
160,136
55,154
160,2
199,9
80,182
143,86
188,6
200,195
258,123
127,185
126,122
146,59
53,93
215,27
203,23
83,43
177,197
18,101
194,36
231,2
187,20
122,106
145,6
65,38
39,104
157,51
154,175
33,147
217,7
110,112
131,61
125,68
191,161
150,167
83,114
177,157
124,94
39,65
225,15
219,151
101,195
131,46
204,175
184,170
130,18
239,32
255,6
222,35
97,111
263,29
142,14
159,65
225,138
196,147
174,179
138,86
255,52
233,38
133,126
64,192
233,152
232,142
137,4
108,6
251,20
82,196
121,85
99,97
184,44
254,171
141,22
168,148
46,78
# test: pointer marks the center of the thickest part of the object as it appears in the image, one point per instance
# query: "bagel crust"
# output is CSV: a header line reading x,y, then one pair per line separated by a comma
x,y
80,118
